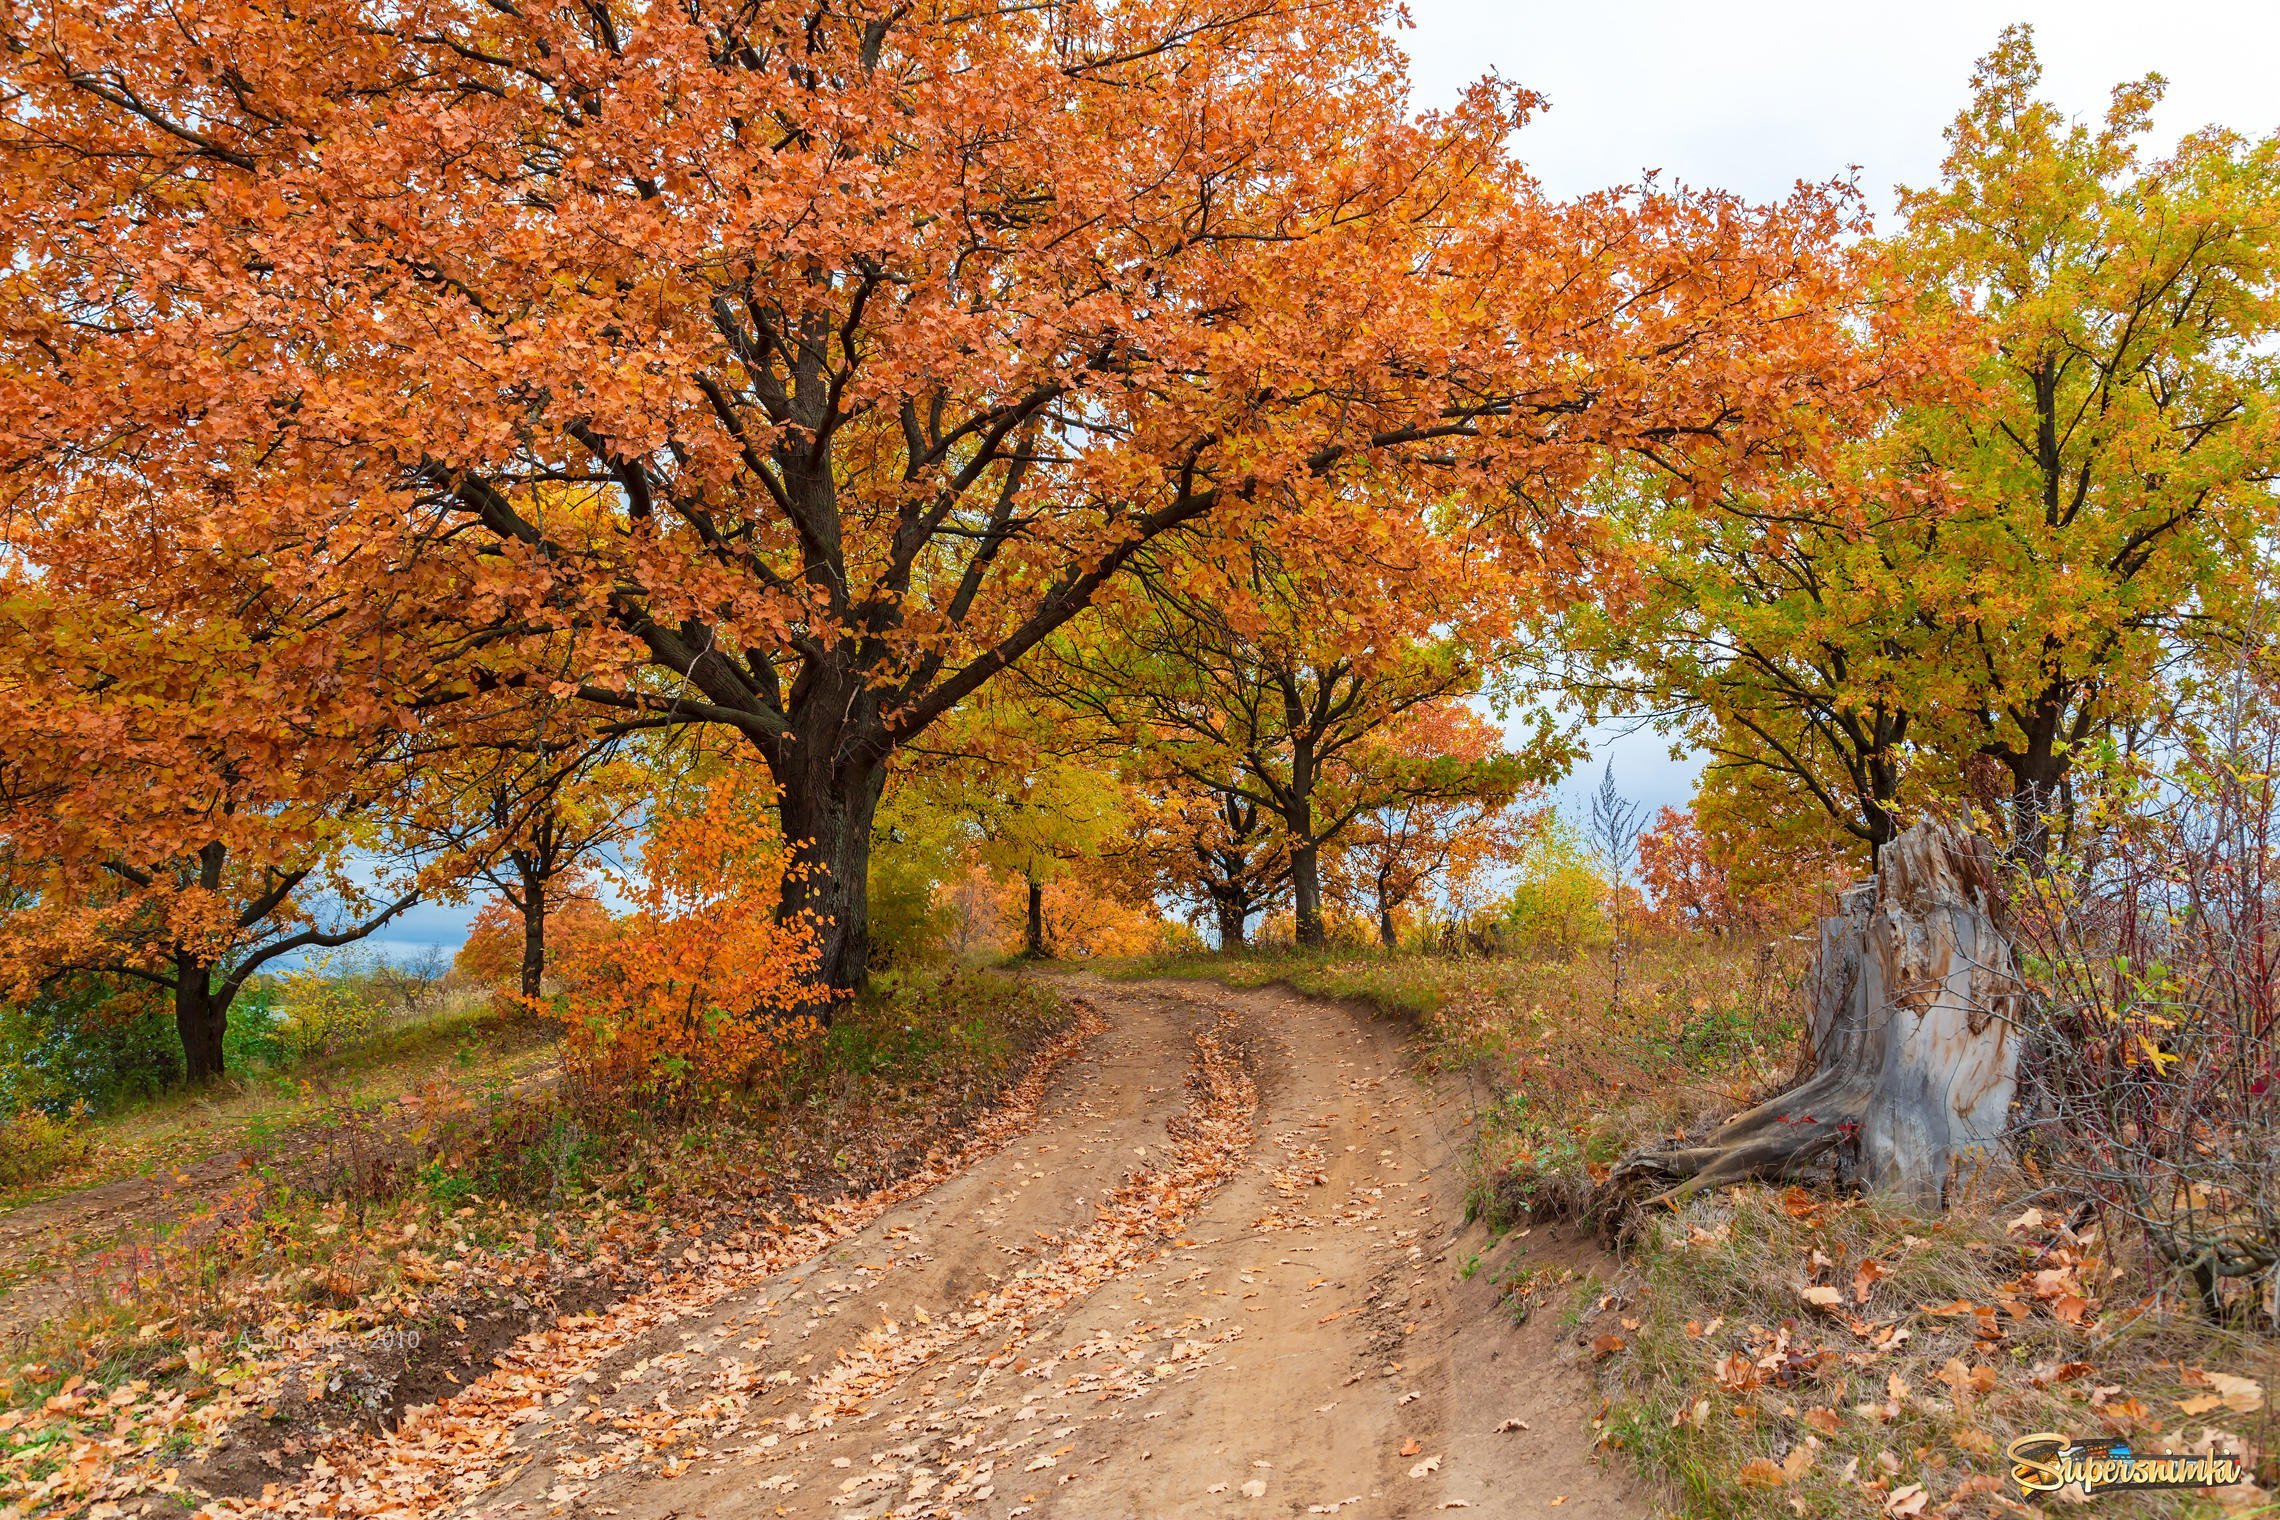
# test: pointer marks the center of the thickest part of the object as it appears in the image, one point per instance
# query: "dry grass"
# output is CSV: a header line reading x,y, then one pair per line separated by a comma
x,y
1949,1337
1565,1078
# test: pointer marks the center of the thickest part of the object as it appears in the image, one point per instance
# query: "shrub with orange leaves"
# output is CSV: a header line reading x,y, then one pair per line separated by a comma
x,y
698,989
1719,868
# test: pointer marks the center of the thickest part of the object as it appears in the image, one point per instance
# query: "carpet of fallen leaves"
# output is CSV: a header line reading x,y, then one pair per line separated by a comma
x,y
952,1456
949,1458
1774,1352
94,1448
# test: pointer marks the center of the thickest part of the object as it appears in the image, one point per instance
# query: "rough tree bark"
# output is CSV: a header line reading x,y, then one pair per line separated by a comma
x,y
201,1018
827,813
1306,895
533,905
1915,1044
1232,920
1033,930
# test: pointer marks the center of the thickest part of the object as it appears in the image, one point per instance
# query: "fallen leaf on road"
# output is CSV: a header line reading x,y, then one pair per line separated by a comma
x,y
1430,1464
1510,1425
1255,1489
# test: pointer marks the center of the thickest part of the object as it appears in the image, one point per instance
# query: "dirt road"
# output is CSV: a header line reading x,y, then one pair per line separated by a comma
x,y
1219,1274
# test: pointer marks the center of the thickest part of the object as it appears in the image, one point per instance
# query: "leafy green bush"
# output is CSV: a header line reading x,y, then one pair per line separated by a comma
x,y
908,928
323,1011
250,1039
312,1011
1558,905
90,1042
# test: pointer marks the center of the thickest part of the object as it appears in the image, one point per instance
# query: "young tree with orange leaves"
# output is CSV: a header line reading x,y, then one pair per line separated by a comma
x,y
1213,849
661,1001
495,953
1453,813
537,800
797,368
1283,677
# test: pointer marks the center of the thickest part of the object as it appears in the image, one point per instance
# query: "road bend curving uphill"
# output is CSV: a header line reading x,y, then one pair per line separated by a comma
x,y
1217,1273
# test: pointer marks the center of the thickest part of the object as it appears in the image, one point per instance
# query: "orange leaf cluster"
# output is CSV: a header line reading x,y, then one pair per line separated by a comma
x,y
698,988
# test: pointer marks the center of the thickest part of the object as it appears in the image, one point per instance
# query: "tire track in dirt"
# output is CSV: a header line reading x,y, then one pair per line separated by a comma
x,y
443,1454
1219,1273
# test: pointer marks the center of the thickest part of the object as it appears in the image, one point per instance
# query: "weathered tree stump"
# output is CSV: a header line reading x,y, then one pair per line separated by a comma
x,y
1913,999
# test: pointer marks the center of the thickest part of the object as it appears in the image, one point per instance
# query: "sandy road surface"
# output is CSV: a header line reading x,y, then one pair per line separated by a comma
x,y
1270,1319
1219,1275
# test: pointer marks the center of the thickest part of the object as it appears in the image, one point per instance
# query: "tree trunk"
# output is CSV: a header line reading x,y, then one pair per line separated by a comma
x,y
201,1018
1231,921
1914,1047
1306,893
534,936
1033,934
2037,766
1386,936
827,812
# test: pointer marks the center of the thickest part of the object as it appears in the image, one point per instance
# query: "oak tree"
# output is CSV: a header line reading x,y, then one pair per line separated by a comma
x,y
797,366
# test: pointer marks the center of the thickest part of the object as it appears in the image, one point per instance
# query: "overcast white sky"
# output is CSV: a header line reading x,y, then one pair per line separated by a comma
x,y
1754,95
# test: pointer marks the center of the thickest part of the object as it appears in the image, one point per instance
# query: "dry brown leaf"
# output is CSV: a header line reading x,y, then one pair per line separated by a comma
x,y
1762,1472
2241,1395
1865,1278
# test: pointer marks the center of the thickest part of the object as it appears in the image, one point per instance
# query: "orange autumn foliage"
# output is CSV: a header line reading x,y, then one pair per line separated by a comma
x,y
798,369
988,908
1711,870
491,956
1081,923
697,989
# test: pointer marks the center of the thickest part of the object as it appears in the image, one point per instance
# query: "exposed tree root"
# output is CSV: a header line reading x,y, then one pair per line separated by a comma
x,y
1914,1048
